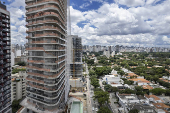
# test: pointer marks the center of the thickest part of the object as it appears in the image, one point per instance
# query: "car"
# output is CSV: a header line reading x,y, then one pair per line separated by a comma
x,y
93,108
96,109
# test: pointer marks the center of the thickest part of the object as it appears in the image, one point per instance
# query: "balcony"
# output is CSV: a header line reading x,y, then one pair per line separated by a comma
x,y
44,21
35,61
34,80
43,42
30,4
42,14
6,39
45,28
4,21
38,68
7,57
47,101
3,16
6,48
47,34
60,4
27,37
45,7
46,76
46,96
1,53
45,48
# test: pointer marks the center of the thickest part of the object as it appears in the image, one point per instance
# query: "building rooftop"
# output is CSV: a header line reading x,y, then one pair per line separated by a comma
x,y
153,96
147,87
140,80
164,80
141,97
128,96
162,106
142,107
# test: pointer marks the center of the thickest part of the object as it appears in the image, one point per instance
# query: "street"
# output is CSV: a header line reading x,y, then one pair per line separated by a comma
x,y
112,104
90,94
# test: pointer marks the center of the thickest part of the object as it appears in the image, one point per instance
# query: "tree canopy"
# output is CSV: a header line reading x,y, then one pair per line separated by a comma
x,y
101,96
104,110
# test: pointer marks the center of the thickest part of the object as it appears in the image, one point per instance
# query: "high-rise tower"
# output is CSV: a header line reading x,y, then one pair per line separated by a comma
x,y
5,56
46,80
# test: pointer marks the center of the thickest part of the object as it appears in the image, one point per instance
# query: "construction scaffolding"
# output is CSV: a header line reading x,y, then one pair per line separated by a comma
x,y
74,60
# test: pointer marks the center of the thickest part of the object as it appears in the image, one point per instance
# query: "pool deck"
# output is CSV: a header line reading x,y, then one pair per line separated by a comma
x,y
77,107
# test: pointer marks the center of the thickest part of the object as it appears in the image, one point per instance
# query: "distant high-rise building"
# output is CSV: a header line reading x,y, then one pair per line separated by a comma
x,y
5,60
74,55
46,81
74,62
110,48
117,49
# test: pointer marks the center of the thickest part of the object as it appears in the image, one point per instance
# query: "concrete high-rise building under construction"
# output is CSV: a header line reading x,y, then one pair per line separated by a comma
x,y
47,81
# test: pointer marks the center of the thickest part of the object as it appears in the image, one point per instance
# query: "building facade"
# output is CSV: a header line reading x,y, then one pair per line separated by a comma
x,y
5,56
18,85
74,62
46,80
74,49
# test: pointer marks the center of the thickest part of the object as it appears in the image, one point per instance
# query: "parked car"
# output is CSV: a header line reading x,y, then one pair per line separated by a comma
x,y
96,109
93,108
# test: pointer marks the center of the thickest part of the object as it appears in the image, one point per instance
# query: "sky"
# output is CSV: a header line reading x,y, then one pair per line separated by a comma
x,y
107,22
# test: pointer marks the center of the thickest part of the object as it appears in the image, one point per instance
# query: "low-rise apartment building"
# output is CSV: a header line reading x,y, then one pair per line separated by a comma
x,y
18,85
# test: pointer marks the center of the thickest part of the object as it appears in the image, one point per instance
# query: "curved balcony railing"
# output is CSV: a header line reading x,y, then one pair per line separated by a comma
x,y
39,14
38,68
39,42
41,21
34,80
45,6
35,61
45,48
46,76
45,88
45,27
35,3
46,34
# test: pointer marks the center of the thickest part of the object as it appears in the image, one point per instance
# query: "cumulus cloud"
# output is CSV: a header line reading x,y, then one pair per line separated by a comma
x,y
144,22
22,29
76,16
111,24
131,3
85,5
13,28
17,12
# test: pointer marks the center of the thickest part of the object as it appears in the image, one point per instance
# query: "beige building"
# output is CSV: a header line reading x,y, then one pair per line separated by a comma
x,y
18,85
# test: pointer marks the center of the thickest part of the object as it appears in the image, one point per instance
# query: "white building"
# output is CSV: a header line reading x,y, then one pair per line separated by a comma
x,y
113,54
119,53
18,85
18,53
12,59
125,99
112,79
106,53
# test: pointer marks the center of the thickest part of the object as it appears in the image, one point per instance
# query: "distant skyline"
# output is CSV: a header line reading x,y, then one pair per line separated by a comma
x,y
108,22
